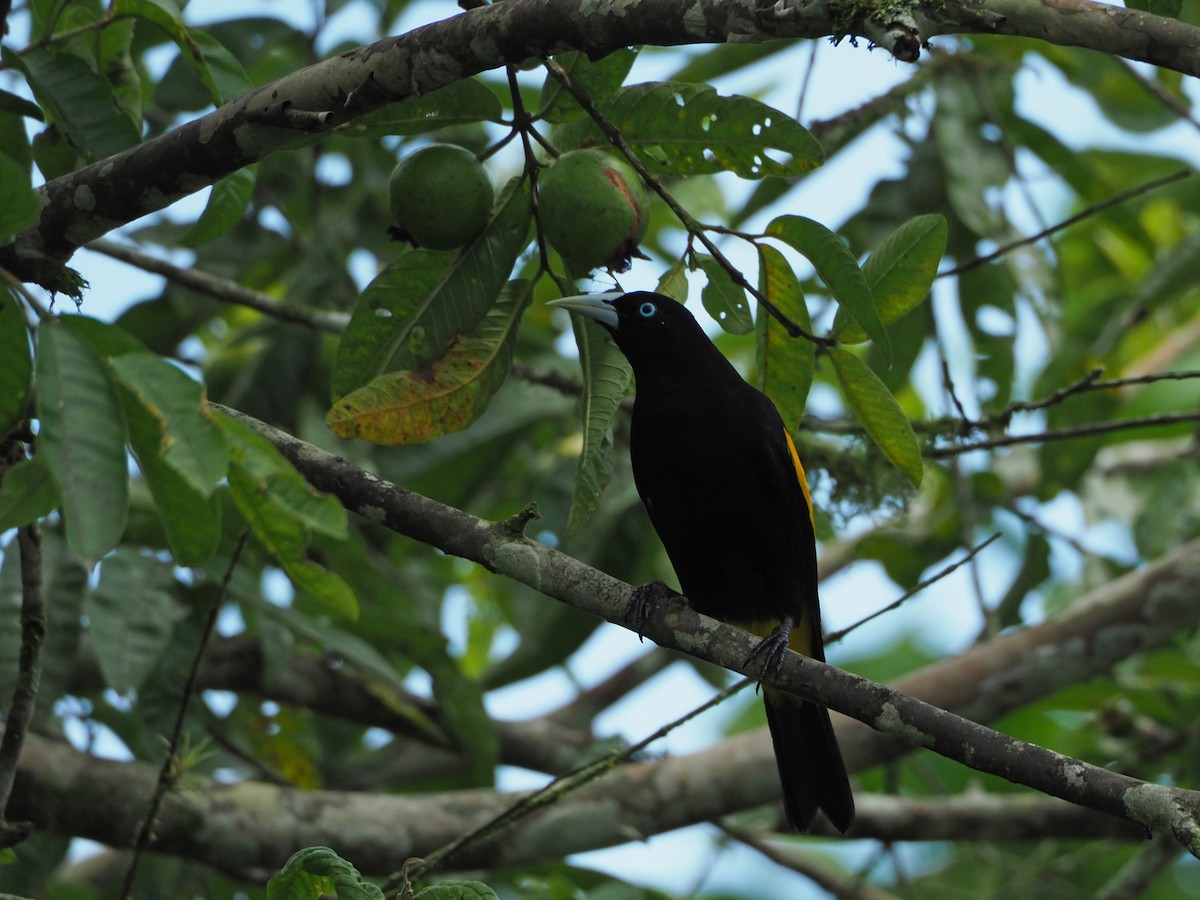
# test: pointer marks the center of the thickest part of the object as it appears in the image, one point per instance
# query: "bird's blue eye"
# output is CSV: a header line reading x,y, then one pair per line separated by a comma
x,y
647,310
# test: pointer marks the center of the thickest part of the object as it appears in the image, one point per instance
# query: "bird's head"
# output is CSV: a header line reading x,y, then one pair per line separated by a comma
x,y
646,326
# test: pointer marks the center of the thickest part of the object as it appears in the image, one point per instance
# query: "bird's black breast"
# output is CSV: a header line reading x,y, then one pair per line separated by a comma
x,y
712,465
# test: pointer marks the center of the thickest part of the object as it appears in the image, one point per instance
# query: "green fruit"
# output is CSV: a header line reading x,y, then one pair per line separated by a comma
x,y
440,196
593,210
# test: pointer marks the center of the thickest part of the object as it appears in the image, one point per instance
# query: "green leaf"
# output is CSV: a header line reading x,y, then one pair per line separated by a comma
x,y
114,59
599,78
190,516
1120,97
838,269
377,676
878,412
11,104
16,373
785,364
448,394
83,438
329,588
673,282
725,301
219,69
1173,274
220,72
899,274
27,493
424,301
226,205
1169,9
457,890
77,100
191,521
281,508
184,435
606,375
107,340
1035,569
131,617
973,166
690,129
277,479
460,103
314,871
20,204
460,699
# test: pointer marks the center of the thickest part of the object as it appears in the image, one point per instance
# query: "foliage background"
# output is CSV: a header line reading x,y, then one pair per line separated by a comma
x,y
418,693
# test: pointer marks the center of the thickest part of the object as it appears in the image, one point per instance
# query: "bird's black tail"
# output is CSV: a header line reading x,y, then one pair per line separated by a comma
x,y
811,770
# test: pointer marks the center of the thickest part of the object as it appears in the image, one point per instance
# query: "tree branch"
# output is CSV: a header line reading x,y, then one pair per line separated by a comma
x,y
1108,29
224,289
83,205
252,827
29,668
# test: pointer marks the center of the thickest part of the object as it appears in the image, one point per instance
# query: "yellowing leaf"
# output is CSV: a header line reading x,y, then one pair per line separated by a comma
x,y
448,394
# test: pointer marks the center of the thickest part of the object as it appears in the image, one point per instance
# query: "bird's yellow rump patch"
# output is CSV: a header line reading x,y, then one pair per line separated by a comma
x,y
800,474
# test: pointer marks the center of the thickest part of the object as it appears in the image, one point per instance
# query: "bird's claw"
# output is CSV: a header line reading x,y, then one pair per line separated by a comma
x,y
772,649
643,599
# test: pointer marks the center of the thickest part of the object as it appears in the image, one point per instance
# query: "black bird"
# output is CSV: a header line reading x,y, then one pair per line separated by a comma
x,y
719,475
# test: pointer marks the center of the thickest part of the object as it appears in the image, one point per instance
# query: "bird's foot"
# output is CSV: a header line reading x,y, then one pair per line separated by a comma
x,y
772,649
643,599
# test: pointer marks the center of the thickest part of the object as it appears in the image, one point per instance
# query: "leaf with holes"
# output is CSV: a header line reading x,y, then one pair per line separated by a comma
x,y
690,129
724,300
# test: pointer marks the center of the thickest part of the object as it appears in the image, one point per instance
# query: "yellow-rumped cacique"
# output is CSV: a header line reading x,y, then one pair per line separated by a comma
x,y
724,487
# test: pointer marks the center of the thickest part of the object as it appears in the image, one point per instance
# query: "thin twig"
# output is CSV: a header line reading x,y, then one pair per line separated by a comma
x,y
1091,382
824,876
1142,869
560,786
1087,383
1160,93
1065,223
913,591
167,774
1064,434
523,125
223,289
1056,534
813,48
29,674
